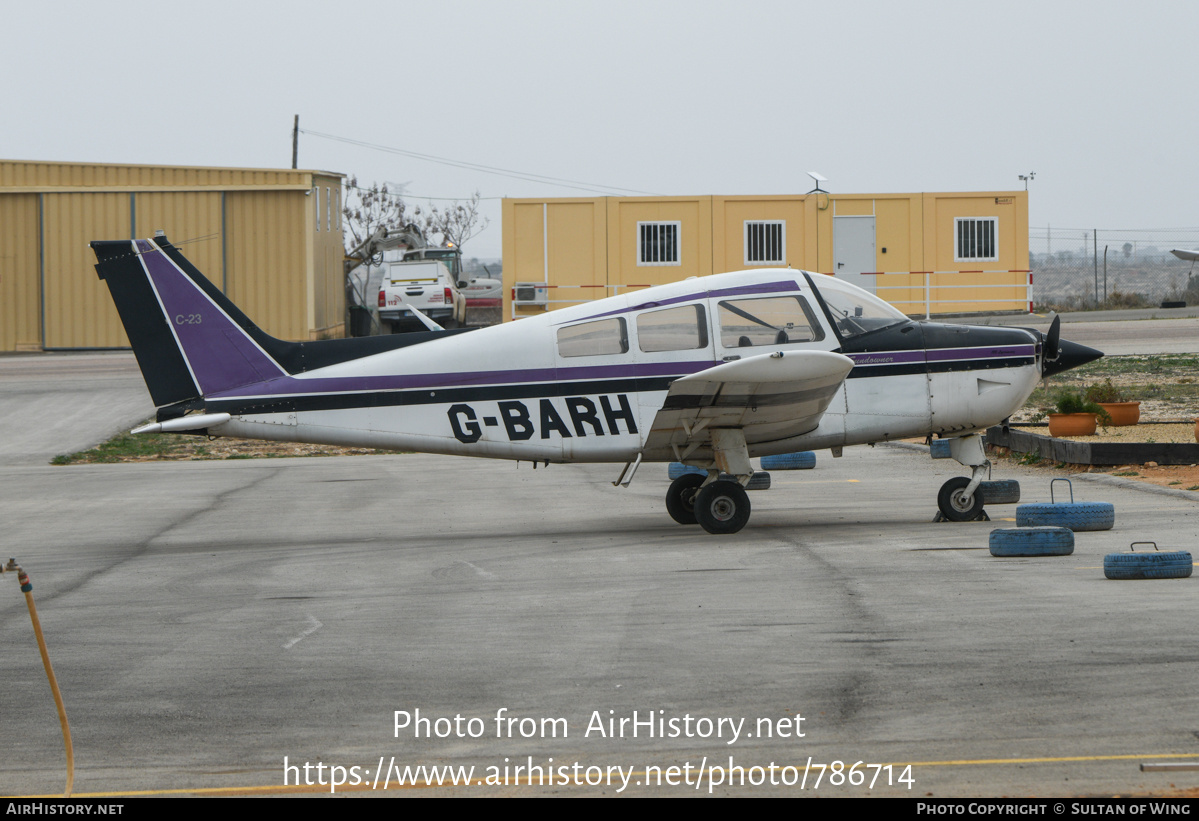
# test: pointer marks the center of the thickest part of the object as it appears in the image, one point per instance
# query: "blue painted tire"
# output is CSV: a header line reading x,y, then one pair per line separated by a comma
x,y
1173,565
804,460
1000,492
1078,516
759,481
677,469
1032,541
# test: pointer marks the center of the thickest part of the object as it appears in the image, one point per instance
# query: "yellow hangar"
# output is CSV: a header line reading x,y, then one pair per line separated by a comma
x,y
269,238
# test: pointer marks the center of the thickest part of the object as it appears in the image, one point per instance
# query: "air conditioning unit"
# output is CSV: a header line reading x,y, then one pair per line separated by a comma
x,y
530,293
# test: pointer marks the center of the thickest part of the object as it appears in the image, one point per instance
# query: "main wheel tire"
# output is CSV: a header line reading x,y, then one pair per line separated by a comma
x,y
1032,541
1173,565
722,507
954,506
1000,492
1078,516
804,460
680,497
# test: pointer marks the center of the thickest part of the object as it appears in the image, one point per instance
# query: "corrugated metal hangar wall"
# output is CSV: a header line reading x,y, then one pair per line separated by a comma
x,y
270,239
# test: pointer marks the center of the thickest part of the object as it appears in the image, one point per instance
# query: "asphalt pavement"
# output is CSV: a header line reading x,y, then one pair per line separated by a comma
x,y
214,624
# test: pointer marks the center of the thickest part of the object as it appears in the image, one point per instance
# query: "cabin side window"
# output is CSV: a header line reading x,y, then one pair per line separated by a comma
x,y
597,338
746,323
683,328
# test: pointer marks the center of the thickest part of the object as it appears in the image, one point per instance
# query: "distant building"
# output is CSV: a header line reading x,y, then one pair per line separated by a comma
x,y
972,248
269,238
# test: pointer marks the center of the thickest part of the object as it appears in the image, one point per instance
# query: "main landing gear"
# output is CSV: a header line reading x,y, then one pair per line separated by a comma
x,y
960,498
717,505
721,506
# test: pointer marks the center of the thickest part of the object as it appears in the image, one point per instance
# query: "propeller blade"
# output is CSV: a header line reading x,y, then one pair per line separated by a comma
x,y
1052,348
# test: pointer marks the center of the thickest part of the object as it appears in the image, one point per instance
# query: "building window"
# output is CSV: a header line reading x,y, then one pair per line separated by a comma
x,y
765,242
975,238
658,243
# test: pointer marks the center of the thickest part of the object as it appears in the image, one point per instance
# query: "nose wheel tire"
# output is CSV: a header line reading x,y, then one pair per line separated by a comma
x,y
722,507
680,497
953,502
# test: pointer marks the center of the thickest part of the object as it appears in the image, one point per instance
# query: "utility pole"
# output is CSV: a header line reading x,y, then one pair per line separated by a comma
x,y
295,142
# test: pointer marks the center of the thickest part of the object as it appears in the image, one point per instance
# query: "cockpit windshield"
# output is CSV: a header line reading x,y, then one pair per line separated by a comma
x,y
857,312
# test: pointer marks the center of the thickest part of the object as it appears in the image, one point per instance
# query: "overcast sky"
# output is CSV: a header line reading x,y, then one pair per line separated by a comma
x,y
651,97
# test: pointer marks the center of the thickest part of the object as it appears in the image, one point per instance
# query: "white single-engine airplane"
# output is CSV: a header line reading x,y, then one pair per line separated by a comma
x,y
708,371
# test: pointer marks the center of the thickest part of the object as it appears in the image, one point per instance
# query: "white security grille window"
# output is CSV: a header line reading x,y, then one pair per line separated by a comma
x,y
658,243
765,242
975,238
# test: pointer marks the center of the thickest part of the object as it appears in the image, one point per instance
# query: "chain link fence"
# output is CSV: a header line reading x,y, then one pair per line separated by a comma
x,y
1086,269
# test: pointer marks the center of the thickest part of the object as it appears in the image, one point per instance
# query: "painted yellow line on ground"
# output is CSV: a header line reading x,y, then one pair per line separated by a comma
x,y
526,781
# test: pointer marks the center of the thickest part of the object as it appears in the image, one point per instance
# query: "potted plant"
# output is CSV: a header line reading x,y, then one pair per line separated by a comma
x,y
1075,415
1119,408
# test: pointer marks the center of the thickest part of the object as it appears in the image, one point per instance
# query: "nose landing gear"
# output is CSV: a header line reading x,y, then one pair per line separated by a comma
x,y
960,498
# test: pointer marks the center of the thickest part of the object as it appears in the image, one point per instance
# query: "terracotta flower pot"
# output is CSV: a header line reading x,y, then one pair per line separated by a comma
x,y
1122,413
1072,424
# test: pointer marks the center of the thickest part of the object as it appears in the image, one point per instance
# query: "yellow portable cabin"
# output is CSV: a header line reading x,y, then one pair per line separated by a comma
x,y
925,253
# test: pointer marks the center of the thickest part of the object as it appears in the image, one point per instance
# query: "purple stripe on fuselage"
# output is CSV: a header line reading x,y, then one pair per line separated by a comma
x,y
744,290
358,384
992,352
220,354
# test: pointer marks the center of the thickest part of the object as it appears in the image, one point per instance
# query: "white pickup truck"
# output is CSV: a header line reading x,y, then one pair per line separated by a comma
x,y
424,284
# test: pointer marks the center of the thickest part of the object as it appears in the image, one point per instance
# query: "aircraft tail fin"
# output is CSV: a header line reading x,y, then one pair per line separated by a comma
x,y
189,339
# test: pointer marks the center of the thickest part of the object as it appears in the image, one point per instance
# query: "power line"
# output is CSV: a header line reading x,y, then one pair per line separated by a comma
x,y
487,169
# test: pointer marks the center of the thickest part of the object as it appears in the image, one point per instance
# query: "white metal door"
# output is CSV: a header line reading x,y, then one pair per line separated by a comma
x,y
853,250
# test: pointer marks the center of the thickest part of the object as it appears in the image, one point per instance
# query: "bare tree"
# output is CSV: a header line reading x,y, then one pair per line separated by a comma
x,y
368,209
457,222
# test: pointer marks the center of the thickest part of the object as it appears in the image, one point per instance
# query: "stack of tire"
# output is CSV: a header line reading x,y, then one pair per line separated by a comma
x,y
1048,529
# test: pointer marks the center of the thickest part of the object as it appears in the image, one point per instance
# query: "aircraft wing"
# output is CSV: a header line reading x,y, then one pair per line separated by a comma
x,y
769,397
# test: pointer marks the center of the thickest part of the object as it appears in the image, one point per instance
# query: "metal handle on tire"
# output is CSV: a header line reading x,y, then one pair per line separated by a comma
x,y
1134,544
1068,482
